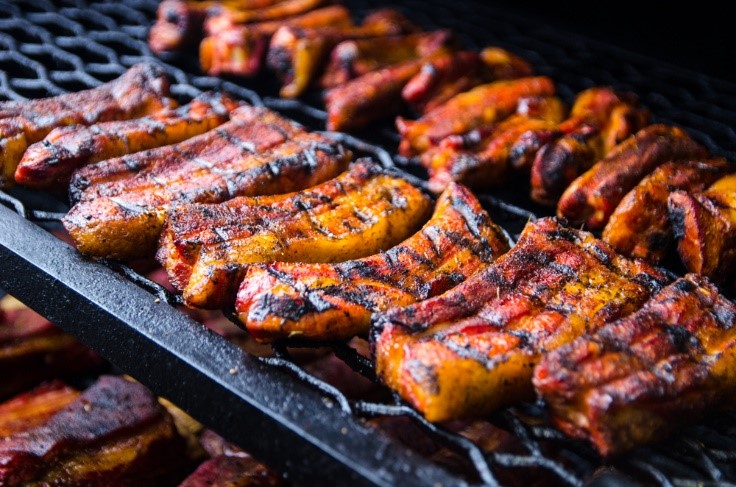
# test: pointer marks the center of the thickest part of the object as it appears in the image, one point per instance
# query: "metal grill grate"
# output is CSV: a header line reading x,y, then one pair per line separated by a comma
x,y
48,48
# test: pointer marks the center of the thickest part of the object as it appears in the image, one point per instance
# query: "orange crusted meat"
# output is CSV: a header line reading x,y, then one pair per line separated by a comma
x,y
634,380
65,149
705,228
241,49
140,91
371,97
600,118
114,433
354,58
473,348
485,104
484,156
592,198
297,54
640,225
121,203
335,301
35,407
225,16
206,248
179,23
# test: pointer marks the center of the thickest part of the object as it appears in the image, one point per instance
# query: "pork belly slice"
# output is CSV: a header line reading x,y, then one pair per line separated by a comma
x,y
232,471
114,433
140,91
705,228
241,49
53,160
335,301
354,58
599,119
484,104
640,225
34,407
122,202
206,248
33,350
592,197
472,349
636,379
297,55
484,157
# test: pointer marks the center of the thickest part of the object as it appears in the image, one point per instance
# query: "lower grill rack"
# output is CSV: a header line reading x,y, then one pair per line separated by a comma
x,y
274,405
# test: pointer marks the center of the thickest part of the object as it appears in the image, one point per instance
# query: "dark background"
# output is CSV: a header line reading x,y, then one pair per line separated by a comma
x,y
697,35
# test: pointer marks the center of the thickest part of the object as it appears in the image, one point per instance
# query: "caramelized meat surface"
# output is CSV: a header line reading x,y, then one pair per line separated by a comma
x,y
297,54
179,23
241,49
232,471
114,433
122,202
335,301
140,91
226,16
206,249
354,58
634,380
484,156
454,73
704,225
473,348
599,119
33,350
371,97
65,149
33,408
485,104
592,198
640,225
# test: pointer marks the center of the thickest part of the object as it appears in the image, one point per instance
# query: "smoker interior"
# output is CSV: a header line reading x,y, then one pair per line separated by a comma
x,y
271,406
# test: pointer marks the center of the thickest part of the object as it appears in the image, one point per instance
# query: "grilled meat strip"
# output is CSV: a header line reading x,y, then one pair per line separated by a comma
x,y
33,350
232,471
122,202
34,407
592,197
704,225
226,16
140,91
65,149
454,73
485,104
335,301
354,58
634,380
241,49
483,157
297,55
640,225
472,349
114,433
205,249
179,23
441,79
599,119
371,97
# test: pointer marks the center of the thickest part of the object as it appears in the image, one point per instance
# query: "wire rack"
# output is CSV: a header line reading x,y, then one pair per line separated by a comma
x,y
49,48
